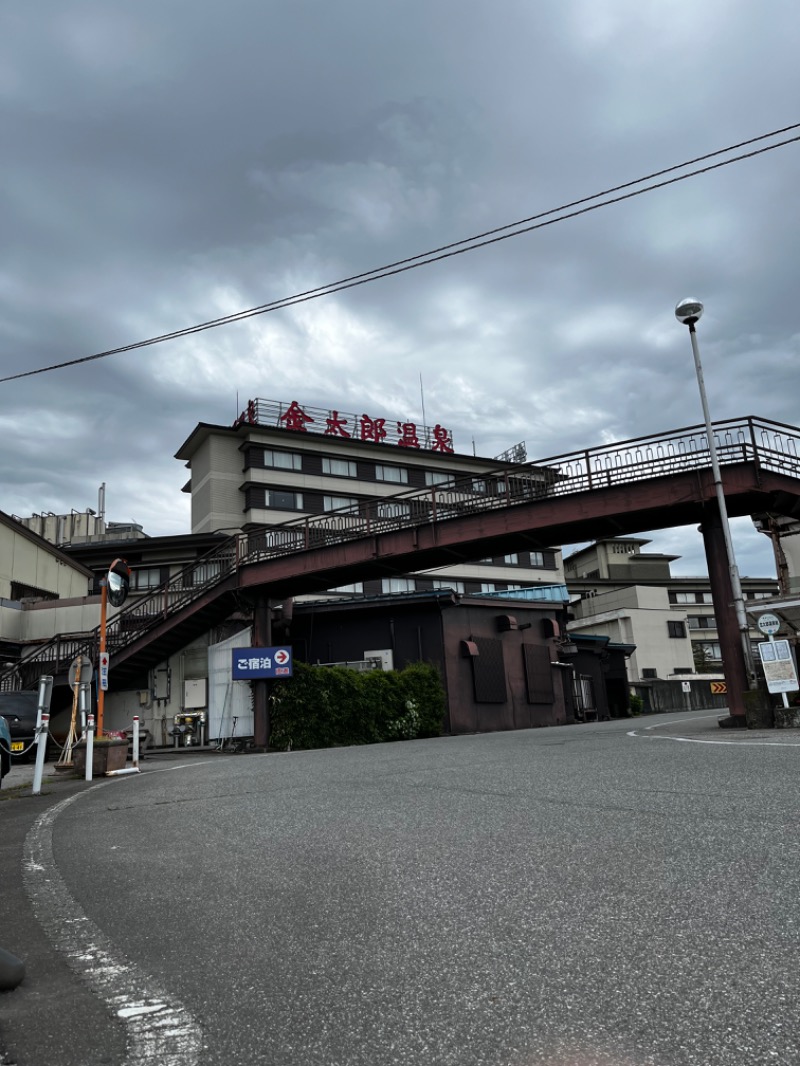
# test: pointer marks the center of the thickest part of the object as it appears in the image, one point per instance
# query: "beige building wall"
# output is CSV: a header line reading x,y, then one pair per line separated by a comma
x,y
638,615
48,619
29,561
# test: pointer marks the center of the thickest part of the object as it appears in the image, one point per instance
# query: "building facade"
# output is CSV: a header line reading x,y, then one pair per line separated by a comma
x,y
280,462
631,595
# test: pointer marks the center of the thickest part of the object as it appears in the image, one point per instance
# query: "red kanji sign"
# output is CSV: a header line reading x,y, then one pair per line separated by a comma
x,y
295,417
336,426
442,439
373,428
407,435
401,434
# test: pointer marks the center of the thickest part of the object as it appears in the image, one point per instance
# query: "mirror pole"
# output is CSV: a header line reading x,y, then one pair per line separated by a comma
x,y
100,691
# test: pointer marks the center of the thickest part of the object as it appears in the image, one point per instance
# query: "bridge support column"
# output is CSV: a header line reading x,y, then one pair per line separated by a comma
x,y
730,639
262,638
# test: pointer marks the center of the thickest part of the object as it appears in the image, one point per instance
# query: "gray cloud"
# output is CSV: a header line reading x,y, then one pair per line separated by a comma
x,y
164,165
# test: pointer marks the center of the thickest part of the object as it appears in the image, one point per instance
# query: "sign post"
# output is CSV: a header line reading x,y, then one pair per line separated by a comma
x,y
776,658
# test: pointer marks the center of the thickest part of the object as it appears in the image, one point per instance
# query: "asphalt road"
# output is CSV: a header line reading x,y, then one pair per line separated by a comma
x,y
571,897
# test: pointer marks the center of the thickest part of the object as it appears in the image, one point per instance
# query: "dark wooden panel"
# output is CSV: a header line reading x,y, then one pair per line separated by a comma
x,y
538,673
489,672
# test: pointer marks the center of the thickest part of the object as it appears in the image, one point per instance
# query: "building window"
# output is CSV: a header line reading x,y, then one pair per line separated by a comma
x,y
356,587
283,460
512,559
436,477
339,503
513,588
145,579
760,595
710,649
701,621
397,474
19,591
537,558
398,584
280,500
487,586
583,695
676,629
705,597
649,672
339,467
443,583
685,597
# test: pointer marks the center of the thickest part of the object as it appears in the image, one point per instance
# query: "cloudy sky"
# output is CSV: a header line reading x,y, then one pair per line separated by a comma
x,y
168,163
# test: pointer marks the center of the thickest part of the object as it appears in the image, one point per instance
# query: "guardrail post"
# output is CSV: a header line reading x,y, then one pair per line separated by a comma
x,y
42,730
45,695
89,747
135,758
84,702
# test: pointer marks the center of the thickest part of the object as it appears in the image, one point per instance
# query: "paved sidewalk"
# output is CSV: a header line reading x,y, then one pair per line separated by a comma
x,y
51,1017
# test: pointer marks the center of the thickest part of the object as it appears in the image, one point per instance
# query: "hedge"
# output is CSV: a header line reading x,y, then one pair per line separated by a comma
x,y
328,706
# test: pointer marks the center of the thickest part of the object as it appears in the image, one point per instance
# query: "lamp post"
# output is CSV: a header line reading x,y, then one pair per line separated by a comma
x,y
688,312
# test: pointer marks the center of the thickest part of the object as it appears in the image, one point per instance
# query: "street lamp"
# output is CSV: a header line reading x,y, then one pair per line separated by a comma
x,y
688,312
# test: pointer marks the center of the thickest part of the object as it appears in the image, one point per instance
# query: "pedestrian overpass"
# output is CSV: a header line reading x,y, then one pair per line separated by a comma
x,y
653,482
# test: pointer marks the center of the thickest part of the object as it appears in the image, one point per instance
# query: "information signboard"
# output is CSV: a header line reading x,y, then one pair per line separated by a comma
x,y
251,664
780,672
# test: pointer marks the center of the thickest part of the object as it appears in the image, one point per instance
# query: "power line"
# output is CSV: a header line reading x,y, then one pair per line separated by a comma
x,y
446,251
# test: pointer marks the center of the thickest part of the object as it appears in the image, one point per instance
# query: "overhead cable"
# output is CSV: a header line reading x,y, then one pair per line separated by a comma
x,y
538,221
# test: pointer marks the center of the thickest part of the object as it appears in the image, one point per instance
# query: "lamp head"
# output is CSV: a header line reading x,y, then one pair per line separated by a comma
x,y
688,311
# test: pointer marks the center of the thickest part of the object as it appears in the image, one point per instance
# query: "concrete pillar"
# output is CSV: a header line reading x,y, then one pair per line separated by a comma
x,y
730,639
262,638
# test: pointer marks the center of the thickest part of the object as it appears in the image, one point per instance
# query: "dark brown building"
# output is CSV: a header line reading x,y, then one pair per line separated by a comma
x,y
504,662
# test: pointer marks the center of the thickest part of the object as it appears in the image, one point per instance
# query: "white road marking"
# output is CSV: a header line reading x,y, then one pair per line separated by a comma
x,y
160,1030
647,735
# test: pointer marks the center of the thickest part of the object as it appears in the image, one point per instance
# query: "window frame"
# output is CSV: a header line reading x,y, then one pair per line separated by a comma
x,y
350,467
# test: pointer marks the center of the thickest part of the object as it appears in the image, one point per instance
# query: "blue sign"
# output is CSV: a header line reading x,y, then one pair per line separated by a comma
x,y
250,664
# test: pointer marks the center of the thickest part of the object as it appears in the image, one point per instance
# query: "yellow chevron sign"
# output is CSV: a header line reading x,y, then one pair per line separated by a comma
x,y
718,688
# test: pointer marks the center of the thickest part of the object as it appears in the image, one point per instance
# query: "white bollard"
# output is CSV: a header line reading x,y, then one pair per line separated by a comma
x,y
136,741
84,702
89,746
41,745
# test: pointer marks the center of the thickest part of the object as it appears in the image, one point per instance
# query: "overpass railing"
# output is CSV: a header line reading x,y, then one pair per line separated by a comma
x,y
771,445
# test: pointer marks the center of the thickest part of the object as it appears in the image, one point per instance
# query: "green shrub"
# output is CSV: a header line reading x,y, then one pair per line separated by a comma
x,y
636,704
327,706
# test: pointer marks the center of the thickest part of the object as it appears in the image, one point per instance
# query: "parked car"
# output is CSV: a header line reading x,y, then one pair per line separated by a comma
x,y
19,709
5,748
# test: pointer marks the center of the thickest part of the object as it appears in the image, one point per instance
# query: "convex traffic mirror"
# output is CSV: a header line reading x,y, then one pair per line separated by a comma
x,y
118,582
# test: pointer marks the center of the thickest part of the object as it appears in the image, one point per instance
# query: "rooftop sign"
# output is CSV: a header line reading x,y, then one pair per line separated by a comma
x,y
334,423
